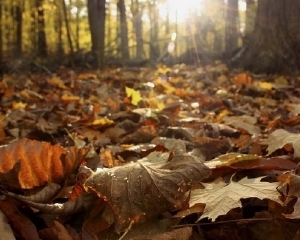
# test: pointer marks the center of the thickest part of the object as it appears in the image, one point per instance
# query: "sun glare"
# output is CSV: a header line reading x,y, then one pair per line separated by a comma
x,y
179,10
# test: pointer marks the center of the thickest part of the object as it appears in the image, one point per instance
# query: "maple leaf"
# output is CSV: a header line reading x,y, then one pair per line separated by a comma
x,y
279,138
221,197
149,186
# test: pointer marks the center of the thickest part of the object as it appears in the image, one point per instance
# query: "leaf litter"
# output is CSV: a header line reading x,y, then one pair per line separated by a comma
x,y
111,155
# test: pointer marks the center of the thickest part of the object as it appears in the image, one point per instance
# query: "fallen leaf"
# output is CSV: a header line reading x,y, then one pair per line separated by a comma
x,y
5,229
28,163
20,222
221,197
57,82
148,187
134,95
279,138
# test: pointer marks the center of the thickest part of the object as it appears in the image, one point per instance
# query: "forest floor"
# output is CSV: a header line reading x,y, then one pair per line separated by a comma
x,y
168,153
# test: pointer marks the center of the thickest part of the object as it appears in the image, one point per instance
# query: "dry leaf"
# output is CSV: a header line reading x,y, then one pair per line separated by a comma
x,y
279,138
5,228
20,222
28,163
221,197
149,186
43,196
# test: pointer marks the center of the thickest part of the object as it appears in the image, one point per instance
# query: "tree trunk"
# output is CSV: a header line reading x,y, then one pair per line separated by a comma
x,y
274,45
42,44
124,29
1,36
58,25
250,16
154,22
19,23
68,29
96,14
137,13
232,23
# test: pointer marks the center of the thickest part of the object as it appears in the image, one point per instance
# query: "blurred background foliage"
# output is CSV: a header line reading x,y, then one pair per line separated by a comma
x,y
135,30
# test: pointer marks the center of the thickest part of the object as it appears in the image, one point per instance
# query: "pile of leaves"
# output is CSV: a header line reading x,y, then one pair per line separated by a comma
x,y
171,153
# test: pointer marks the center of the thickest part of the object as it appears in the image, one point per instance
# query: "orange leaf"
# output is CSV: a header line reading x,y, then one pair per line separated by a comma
x,y
27,163
242,78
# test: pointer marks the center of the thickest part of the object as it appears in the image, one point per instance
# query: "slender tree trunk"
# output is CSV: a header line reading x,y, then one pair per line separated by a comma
x,y
58,25
232,26
96,14
137,12
67,27
19,23
154,22
33,28
124,29
274,45
42,43
77,30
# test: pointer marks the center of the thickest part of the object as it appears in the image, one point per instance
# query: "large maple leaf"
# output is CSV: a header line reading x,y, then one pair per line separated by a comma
x,y
148,187
221,197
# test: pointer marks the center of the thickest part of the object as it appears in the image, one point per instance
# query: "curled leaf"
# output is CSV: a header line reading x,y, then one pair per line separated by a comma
x,y
27,163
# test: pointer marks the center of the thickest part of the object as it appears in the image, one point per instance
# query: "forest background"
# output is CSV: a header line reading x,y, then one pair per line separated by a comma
x,y
99,85
123,31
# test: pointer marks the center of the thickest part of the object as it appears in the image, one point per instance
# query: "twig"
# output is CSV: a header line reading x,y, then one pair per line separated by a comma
x,y
224,222
43,67
127,230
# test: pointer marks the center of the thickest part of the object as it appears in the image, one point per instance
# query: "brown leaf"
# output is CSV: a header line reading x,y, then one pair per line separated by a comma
x,y
27,163
44,195
100,218
59,232
5,228
149,186
82,202
20,223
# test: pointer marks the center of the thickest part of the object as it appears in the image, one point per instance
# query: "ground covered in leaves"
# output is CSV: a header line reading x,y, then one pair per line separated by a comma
x,y
167,153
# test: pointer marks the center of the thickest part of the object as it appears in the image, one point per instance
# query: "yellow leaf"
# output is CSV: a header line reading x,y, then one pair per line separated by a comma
x,y
57,82
163,70
102,122
68,97
281,80
134,95
17,105
265,85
